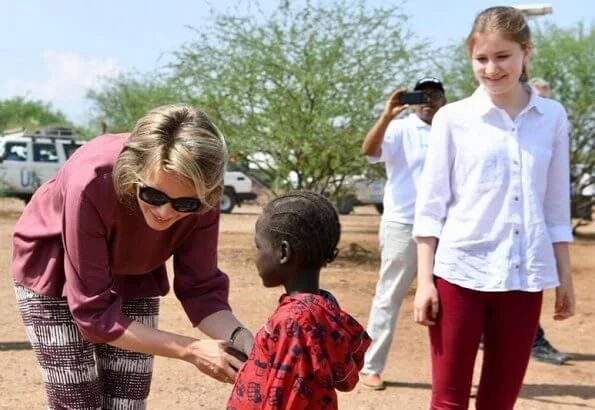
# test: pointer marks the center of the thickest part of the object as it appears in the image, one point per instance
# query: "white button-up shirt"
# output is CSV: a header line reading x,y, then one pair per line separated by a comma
x,y
496,192
404,151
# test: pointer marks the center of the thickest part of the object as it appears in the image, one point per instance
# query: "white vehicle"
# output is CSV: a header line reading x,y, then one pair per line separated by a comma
x,y
588,183
585,196
362,191
27,160
237,189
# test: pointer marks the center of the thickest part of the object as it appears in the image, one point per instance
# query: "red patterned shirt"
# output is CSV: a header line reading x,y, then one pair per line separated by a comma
x,y
308,348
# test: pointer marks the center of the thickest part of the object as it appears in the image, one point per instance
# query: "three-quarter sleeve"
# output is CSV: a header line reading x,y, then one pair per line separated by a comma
x,y
96,310
198,283
434,191
557,194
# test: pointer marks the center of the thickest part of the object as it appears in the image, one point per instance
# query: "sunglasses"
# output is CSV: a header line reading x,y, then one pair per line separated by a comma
x,y
155,197
434,94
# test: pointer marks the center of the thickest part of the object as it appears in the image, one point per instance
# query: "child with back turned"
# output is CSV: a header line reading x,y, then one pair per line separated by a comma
x,y
309,347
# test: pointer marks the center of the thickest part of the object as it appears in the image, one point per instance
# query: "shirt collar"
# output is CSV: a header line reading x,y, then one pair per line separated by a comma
x,y
417,122
484,105
308,298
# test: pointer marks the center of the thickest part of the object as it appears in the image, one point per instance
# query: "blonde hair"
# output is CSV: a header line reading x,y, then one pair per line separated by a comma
x,y
177,139
509,22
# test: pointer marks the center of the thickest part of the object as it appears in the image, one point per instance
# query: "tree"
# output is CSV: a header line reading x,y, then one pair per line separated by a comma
x,y
565,58
453,64
19,112
124,99
294,91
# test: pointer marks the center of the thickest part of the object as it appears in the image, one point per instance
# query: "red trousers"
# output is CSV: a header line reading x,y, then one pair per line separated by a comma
x,y
508,322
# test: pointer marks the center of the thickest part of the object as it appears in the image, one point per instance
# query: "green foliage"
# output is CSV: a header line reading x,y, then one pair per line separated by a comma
x,y
18,112
455,70
566,58
295,91
298,88
126,98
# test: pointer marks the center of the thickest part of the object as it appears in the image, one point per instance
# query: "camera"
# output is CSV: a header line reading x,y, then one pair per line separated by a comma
x,y
413,98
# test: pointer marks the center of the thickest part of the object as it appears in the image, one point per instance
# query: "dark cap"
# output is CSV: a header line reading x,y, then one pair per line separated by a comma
x,y
429,82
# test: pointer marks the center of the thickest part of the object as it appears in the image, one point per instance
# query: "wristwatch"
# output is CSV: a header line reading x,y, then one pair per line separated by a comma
x,y
234,335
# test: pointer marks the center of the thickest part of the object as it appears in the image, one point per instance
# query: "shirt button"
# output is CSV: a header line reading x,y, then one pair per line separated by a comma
x,y
516,198
515,162
516,231
516,266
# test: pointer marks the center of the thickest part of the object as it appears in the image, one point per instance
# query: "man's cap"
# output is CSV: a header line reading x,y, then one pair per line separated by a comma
x,y
429,81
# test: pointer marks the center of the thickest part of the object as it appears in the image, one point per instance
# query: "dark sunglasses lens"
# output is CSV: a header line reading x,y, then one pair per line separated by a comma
x,y
152,196
186,204
434,95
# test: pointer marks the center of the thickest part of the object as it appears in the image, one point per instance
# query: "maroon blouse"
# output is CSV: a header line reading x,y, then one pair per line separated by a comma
x,y
75,239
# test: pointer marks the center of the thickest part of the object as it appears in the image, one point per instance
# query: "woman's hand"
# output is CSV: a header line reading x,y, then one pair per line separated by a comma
x,y
222,325
209,355
211,358
564,307
426,304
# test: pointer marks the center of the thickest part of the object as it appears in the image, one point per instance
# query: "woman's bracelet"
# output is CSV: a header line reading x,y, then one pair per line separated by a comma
x,y
235,333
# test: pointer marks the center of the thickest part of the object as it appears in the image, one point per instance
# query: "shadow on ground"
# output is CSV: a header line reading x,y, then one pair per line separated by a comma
x,y
536,392
541,392
7,346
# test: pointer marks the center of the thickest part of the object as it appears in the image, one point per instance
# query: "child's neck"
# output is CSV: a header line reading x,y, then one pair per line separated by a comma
x,y
303,282
514,101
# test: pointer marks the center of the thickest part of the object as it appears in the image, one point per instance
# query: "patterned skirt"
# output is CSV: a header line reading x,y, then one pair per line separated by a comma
x,y
78,374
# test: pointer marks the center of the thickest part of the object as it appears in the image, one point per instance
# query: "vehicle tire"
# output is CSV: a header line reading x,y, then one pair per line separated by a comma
x,y
379,208
228,201
345,204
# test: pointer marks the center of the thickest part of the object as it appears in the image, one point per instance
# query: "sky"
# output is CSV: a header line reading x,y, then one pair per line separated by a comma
x,y
55,50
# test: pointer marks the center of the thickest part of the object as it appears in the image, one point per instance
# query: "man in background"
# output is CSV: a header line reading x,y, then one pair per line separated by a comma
x,y
401,144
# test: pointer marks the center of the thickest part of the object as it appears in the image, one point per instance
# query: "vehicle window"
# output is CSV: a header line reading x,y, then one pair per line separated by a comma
x,y
15,151
70,148
44,152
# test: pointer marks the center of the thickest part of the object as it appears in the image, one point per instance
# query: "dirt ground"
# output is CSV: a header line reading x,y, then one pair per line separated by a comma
x,y
177,385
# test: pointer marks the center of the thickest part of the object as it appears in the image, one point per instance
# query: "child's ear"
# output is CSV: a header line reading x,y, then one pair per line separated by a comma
x,y
286,252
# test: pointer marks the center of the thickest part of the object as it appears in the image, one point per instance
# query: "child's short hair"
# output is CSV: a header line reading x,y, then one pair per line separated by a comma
x,y
308,222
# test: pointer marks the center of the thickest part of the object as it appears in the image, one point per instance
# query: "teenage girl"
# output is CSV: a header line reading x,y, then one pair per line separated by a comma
x,y
492,221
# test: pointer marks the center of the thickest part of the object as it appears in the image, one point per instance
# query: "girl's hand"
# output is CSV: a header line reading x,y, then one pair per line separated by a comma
x,y
211,358
564,307
426,304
